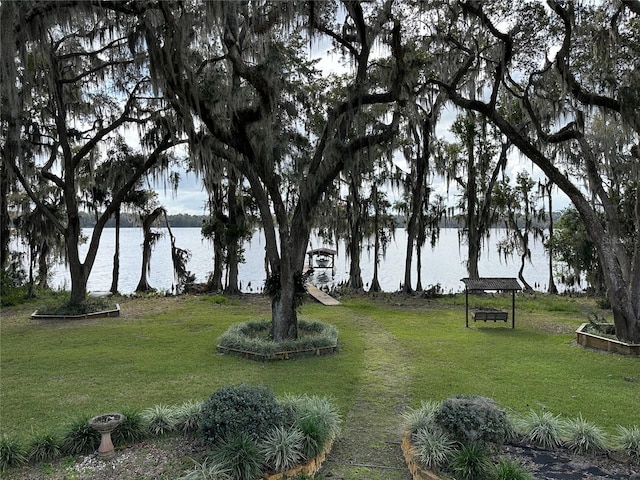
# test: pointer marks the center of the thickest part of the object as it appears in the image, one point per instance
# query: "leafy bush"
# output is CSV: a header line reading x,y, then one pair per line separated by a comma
x,y
189,417
507,469
583,436
43,448
12,453
543,429
282,448
434,448
472,462
131,430
80,438
239,455
235,409
160,419
627,440
418,418
473,419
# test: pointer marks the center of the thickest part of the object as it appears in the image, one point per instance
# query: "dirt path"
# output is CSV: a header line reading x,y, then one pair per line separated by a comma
x,y
369,446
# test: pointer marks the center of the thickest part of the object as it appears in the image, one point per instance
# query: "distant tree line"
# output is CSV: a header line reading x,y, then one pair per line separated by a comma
x,y
179,220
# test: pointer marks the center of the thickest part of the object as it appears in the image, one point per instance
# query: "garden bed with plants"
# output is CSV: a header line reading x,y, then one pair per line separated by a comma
x,y
92,308
252,340
471,437
601,336
240,433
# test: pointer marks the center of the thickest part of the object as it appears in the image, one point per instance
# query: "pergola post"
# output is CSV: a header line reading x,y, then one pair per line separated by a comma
x,y
513,309
466,304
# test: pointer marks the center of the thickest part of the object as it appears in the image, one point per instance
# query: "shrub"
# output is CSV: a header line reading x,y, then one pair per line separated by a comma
x,y
239,455
627,440
507,469
236,409
423,417
282,448
583,436
543,429
160,419
12,453
472,462
44,447
434,448
189,417
131,430
473,419
80,438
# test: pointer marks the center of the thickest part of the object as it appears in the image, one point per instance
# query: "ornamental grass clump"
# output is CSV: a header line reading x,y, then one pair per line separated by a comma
x,y
207,471
80,438
238,453
508,469
188,417
317,418
419,418
472,462
583,436
434,448
132,429
627,441
543,429
160,419
282,448
473,420
12,453
44,447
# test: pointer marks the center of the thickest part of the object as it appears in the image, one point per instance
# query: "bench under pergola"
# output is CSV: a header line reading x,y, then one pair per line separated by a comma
x,y
490,284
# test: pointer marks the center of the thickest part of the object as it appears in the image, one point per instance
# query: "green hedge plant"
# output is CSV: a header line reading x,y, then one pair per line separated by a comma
x,y
251,410
473,420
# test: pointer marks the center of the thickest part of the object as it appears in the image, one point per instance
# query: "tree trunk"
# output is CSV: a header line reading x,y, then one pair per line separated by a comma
x,y
147,223
43,265
215,280
375,284
233,246
552,289
418,268
408,261
116,257
5,219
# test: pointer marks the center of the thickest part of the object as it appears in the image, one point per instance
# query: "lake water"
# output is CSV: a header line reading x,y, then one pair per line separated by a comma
x,y
444,264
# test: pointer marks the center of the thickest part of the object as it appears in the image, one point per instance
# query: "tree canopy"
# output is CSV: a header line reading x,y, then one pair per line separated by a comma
x,y
237,82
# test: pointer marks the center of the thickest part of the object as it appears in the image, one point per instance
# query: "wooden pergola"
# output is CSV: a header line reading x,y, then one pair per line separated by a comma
x,y
490,284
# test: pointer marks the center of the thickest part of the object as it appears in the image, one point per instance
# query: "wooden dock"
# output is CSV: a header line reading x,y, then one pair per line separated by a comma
x,y
320,296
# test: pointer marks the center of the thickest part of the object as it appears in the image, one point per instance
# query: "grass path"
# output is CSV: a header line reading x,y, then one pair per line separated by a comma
x,y
369,446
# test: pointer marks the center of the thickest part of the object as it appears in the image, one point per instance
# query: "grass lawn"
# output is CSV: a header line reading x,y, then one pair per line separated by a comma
x,y
163,351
